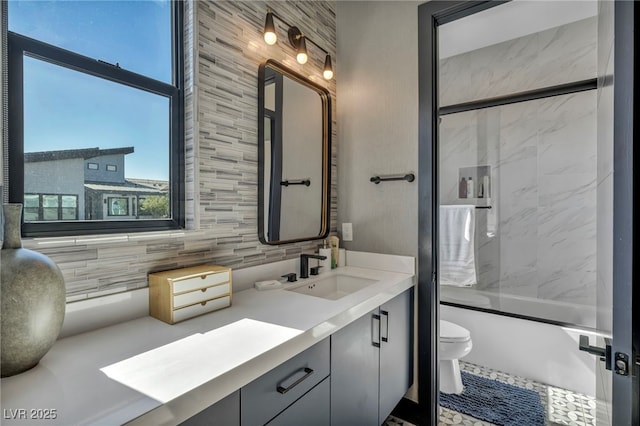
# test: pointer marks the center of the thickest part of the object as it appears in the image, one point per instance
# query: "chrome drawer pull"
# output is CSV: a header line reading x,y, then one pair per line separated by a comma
x,y
284,390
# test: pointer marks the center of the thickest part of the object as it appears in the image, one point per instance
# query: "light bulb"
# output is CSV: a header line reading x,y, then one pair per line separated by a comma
x,y
327,74
302,58
270,38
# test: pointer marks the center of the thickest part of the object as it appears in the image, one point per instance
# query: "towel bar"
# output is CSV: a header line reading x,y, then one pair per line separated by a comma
x,y
410,177
305,182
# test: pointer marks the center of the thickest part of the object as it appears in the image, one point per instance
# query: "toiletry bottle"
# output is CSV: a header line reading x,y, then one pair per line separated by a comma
x,y
462,190
481,190
334,243
485,184
325,251
470,189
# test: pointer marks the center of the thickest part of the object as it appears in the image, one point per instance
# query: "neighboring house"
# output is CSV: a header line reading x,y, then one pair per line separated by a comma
x,y
86,184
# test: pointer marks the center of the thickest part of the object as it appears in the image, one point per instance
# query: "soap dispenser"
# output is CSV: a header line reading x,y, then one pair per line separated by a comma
x,y
326,252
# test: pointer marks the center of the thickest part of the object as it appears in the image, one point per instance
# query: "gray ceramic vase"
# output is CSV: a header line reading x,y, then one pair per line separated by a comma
x,y
32,294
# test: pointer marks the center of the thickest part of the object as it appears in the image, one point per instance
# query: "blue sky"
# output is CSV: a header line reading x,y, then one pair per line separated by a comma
x,y
65,109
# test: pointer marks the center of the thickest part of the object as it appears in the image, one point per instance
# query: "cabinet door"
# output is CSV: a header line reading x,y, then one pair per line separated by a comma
x,y
354,373
310,410
225,412
396,351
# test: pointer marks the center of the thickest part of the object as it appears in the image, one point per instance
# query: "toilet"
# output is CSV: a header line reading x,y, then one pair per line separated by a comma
x,y
455,343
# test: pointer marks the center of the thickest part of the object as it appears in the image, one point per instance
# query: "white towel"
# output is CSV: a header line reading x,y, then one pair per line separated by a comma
x,y
457,248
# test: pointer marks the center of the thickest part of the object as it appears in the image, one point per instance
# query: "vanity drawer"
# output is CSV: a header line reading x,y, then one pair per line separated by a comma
x,y
200,295
274,391
313,409
180,294
202,281
200,308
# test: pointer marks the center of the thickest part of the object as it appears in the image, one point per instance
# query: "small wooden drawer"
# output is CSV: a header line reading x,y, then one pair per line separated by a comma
x,y
181,294
200,308
200,295
202,281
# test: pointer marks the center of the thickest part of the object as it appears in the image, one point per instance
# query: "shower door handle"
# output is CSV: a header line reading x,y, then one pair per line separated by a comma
x,y
603,353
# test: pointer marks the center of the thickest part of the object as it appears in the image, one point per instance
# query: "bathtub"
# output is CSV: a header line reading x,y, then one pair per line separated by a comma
x,y
563,313
546,352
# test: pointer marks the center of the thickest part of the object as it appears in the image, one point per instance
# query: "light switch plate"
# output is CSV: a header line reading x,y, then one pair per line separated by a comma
x,y
347,232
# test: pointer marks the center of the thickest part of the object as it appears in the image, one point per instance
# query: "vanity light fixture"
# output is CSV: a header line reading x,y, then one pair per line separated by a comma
x,y
327,73
270,36
299,42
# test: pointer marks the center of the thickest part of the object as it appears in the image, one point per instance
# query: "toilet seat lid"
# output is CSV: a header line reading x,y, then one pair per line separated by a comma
x,y
450,332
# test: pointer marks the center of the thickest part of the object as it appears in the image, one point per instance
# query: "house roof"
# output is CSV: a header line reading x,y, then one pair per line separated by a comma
x,y
67,154
162,185
123,188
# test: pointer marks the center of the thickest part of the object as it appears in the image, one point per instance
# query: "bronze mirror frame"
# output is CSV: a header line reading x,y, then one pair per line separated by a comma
x,y
325,98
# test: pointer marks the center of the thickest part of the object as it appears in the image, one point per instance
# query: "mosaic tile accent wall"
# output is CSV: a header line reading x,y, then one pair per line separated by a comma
x,y
222,55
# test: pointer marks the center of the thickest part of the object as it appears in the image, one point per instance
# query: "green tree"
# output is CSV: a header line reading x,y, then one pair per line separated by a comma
x,y
155,205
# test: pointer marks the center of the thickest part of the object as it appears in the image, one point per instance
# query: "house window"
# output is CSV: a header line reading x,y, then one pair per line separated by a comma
x,y
88,76
118,206
50,207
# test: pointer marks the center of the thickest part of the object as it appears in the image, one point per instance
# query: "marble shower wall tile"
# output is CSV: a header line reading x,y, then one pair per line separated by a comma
x,y
223,50
544,160
548,58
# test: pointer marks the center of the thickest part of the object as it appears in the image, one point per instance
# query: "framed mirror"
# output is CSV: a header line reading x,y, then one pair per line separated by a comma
x,y
294,156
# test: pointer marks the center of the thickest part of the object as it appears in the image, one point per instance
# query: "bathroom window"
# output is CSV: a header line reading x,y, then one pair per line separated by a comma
x,y
94,83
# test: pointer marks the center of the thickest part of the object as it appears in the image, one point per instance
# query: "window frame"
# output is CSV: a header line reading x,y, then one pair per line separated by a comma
x,y
20,46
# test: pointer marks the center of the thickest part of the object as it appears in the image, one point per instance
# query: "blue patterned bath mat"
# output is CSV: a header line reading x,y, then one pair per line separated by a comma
x,y
496,402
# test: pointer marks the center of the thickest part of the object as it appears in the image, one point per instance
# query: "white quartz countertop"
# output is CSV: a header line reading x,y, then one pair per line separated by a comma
x,y
69,387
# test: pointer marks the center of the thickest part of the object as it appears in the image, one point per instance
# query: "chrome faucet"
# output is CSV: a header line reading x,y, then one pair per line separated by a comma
x,y
304,263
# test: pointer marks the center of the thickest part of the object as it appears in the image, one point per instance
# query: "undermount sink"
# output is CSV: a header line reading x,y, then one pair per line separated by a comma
x,y
333,287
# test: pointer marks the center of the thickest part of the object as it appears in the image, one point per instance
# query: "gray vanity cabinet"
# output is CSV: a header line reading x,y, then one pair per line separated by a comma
x,y
225,412
275,395
372,364
396,353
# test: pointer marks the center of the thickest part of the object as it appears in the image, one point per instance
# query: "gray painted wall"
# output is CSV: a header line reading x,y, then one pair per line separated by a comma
x,y
378,123
56,177
104,175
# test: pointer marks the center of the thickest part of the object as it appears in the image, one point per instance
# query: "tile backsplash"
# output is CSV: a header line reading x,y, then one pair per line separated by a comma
x,y
223,50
